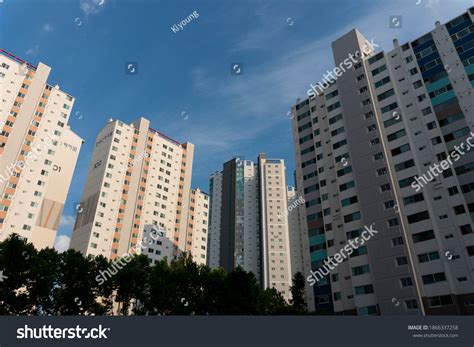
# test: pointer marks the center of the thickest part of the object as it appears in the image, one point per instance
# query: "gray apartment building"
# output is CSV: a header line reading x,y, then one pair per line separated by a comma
x,y
252,224
385,143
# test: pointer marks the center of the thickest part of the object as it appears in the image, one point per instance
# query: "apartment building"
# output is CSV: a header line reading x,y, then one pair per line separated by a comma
x,y
214,235
197,228
155,245
362,144
137,177
234,237
38,151
299,246
274,227
249,221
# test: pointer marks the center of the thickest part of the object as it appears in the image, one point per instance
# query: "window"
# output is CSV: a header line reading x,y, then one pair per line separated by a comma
x,y
382,82
378,70
411,304
360,270
359,251
402,261
404,165
363,290
426,111
396,135
334,106
351,217
378,156
344,171
393,222
423,236
397,241
444,300
346,186
392,121
385,95
429,256
460,209
470,250
349,201
434,278
418,217
465,229
367,310
414,198
399,150
389,108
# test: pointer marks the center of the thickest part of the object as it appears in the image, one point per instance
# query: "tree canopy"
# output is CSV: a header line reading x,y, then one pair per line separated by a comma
x,y
46,282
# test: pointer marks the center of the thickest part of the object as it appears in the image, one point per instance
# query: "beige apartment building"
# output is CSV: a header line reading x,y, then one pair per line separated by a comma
x,y
137,177
275,234
38,151
197,229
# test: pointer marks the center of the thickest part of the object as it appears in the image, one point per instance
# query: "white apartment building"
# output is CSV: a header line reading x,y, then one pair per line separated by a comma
x,y
137,177
299,244
249,221
365,148
38,151
155,245
234,237
197,228
275,234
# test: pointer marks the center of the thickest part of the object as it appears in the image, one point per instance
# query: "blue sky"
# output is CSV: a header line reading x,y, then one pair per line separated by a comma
x,y
283,46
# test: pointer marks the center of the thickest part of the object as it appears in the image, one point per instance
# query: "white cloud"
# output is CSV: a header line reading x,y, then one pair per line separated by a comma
x,y
33,50
47,28
258,100
61,244
91,7
67,221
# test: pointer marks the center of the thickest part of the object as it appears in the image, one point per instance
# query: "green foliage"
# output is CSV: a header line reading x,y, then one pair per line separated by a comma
x,y
48,283
297,291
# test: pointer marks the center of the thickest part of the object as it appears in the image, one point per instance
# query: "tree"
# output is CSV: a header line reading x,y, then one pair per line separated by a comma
x,y
131,282
48,283
73,290
161,289
44,275
241,293
298,292
271,302
16,258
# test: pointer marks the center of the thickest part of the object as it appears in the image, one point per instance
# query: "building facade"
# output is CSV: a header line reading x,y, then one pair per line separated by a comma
x,y
137,177
249,221
197,226
155,244
364,144
274,227
38,151
234,238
